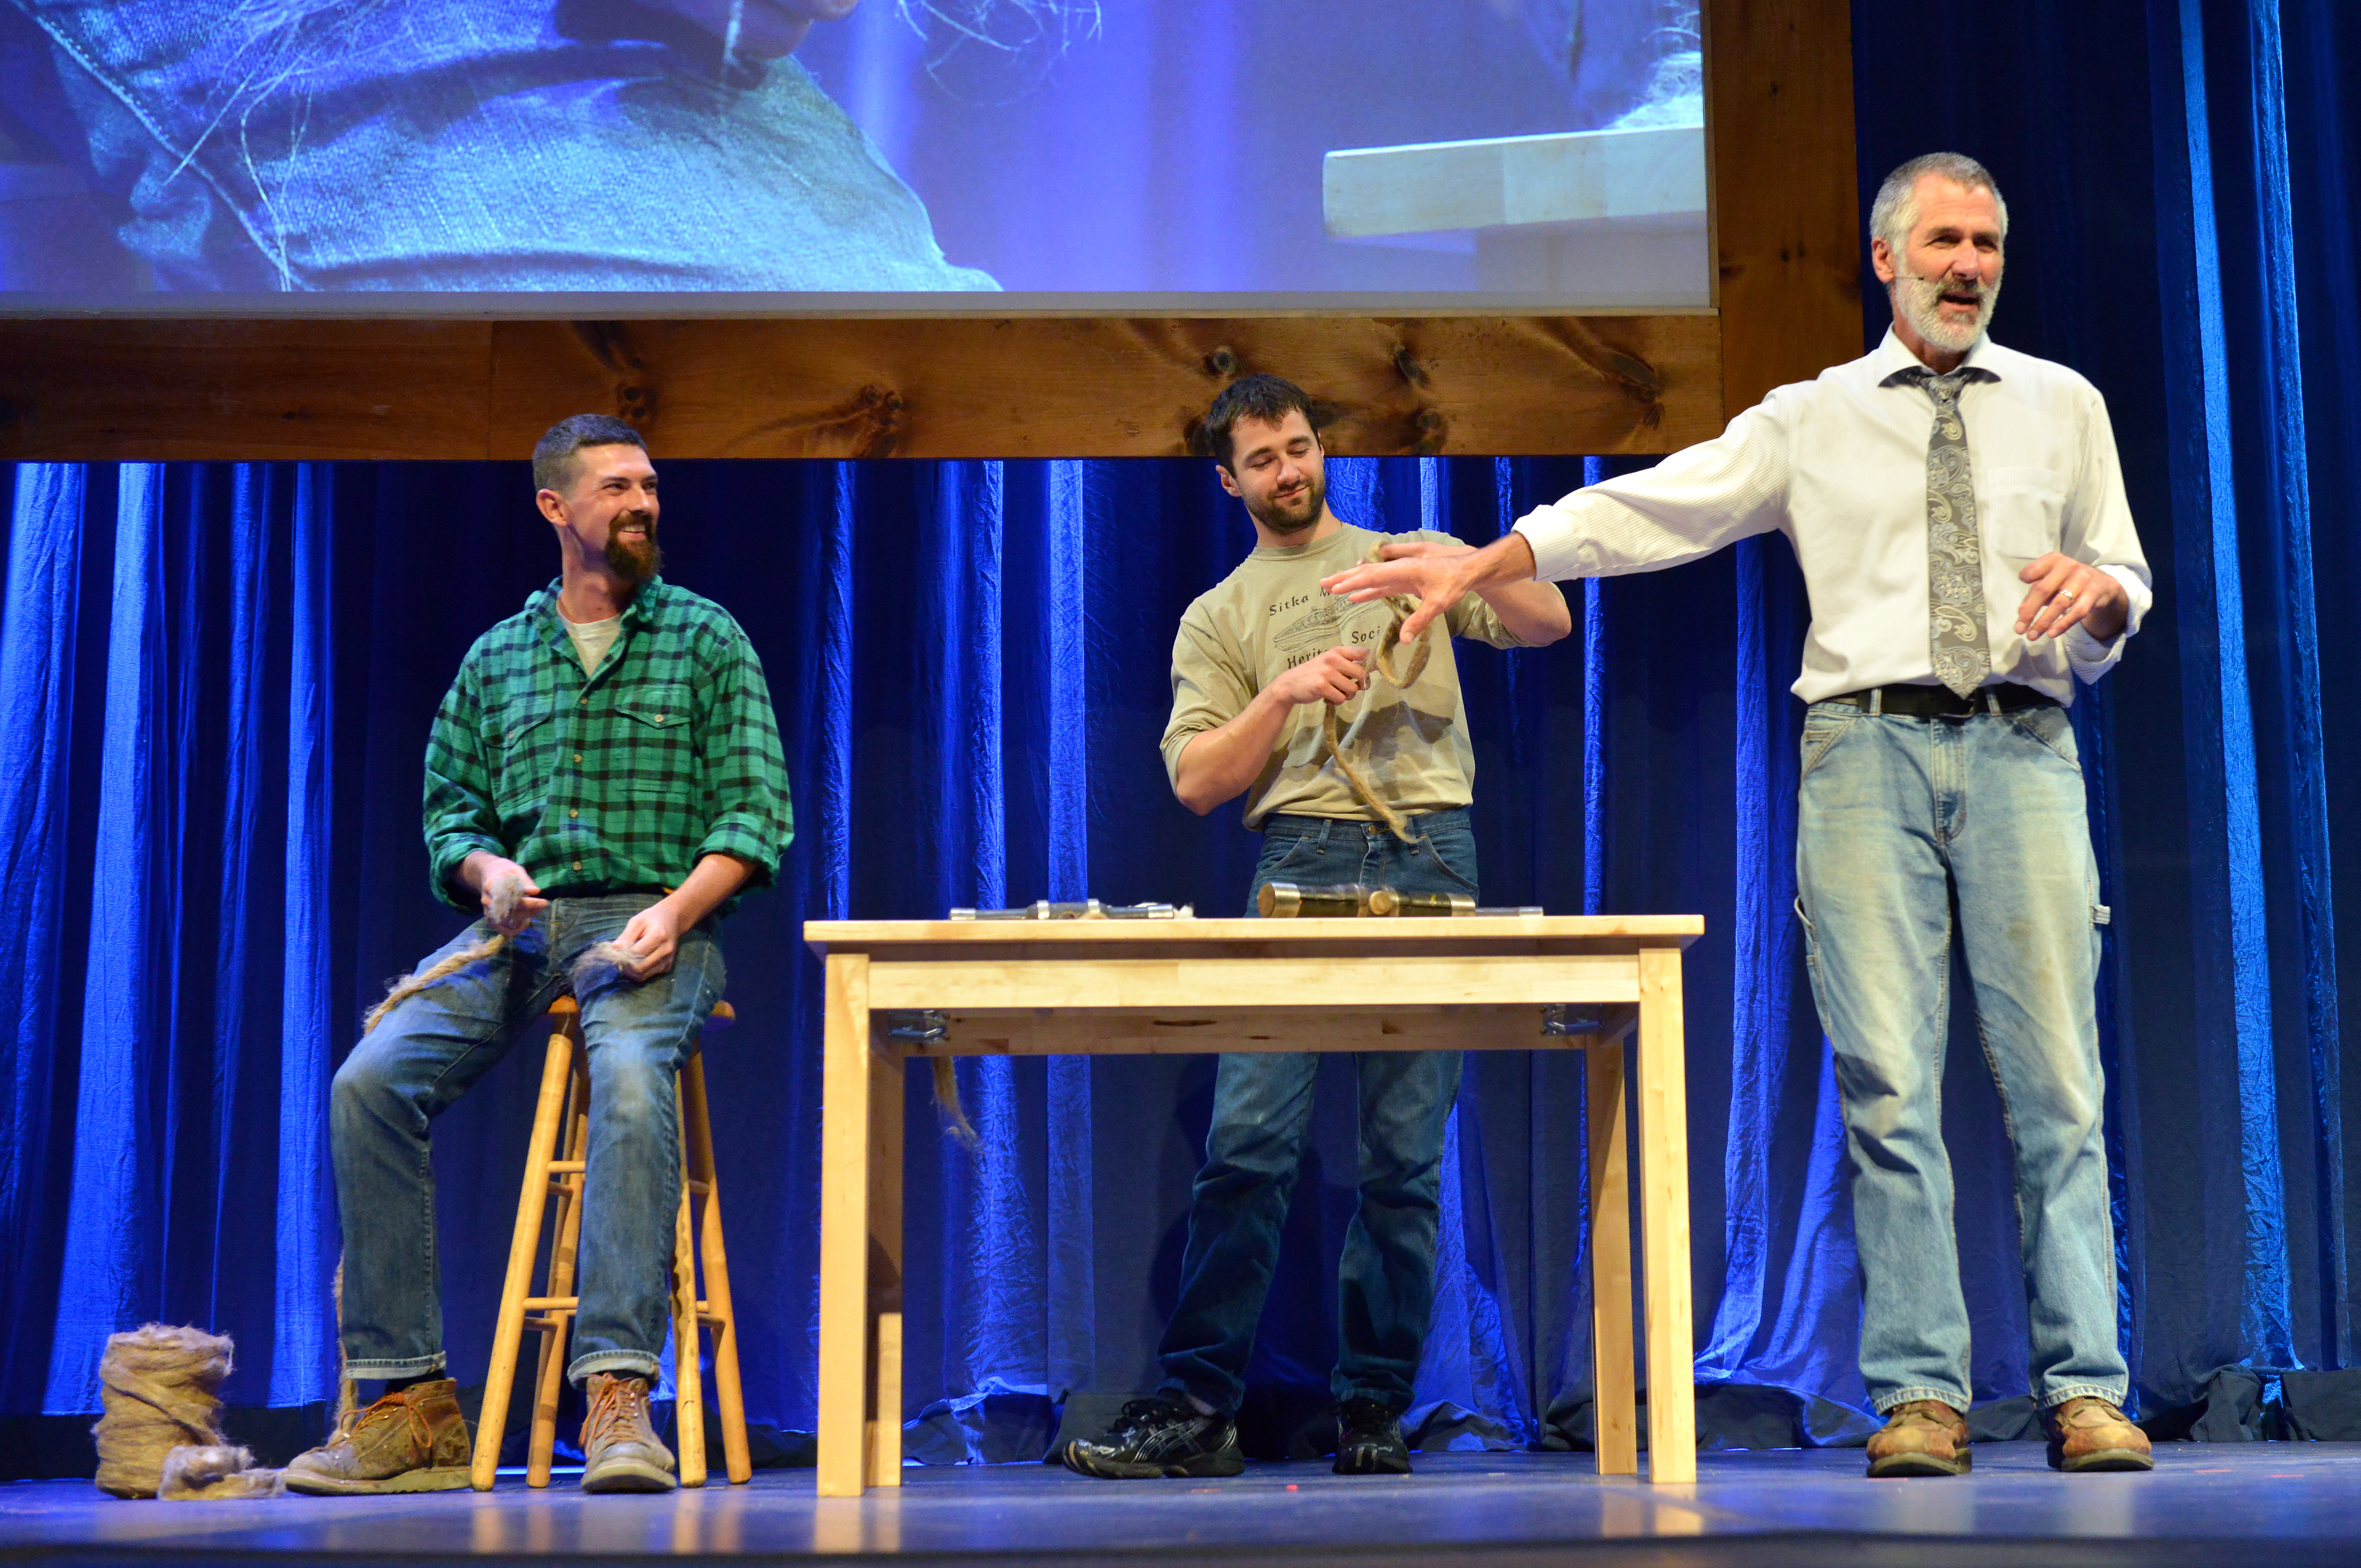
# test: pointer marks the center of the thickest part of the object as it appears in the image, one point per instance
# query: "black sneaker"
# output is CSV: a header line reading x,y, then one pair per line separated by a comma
x,y
1369,1440
1159,1437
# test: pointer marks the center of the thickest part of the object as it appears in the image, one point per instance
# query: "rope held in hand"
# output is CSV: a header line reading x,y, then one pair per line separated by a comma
x,y
1332,729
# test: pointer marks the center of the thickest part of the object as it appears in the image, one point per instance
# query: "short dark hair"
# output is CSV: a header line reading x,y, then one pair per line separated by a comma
x,y
553,455
1269,399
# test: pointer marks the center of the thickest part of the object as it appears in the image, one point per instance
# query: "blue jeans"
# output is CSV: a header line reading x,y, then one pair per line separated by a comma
x,y
1262,1109
466,144
432,1048
1899,817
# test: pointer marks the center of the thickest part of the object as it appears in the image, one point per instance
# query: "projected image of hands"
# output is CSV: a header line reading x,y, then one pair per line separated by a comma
x,y
924,154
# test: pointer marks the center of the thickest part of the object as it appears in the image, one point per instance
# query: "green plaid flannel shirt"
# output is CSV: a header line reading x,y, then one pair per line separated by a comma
x,y
619,780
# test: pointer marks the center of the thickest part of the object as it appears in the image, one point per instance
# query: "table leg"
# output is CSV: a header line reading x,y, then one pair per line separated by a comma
x,y
1664,1219
844,1225
1612,1371
884,1296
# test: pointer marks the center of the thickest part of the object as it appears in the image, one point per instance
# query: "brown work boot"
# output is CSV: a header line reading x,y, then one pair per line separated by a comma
x,y
414,1440
2088,1434
1921,1437
619,1448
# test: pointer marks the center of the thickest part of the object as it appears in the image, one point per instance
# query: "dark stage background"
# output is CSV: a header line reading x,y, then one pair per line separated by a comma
x,y
215,682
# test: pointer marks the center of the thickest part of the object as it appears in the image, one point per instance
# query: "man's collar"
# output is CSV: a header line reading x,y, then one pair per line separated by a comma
x,y
1891,361
544,602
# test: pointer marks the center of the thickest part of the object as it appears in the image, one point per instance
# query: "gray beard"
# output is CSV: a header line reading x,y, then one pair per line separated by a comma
x,y
1920,303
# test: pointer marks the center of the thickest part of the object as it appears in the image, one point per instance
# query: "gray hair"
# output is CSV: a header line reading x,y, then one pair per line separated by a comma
x,y
1895,212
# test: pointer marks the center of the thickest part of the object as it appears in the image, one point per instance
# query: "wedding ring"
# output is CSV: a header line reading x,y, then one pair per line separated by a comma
x,y
2066,594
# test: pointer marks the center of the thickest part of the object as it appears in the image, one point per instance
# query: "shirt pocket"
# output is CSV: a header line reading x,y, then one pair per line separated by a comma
x,y
521,742
655,760
2023,514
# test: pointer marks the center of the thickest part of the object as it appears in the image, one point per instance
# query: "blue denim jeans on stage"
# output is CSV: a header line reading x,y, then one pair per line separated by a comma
x,y
1262,1111
1898,817
432,1048
463,145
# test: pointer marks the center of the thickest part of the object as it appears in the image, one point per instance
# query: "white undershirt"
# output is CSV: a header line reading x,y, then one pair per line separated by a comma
x,y
592,638
1839,465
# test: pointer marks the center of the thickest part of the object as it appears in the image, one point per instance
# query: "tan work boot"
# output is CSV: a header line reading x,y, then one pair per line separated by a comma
x,y
2088,1434
1921,1437
619,1448
411,1441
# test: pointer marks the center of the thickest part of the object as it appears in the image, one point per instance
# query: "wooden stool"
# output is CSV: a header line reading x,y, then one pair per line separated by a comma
x,y
566,1102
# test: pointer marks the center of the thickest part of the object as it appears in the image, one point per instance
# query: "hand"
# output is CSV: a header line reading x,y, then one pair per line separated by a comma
x,y
765,30
504,890
2067,593
1334,676
654,938
1435,574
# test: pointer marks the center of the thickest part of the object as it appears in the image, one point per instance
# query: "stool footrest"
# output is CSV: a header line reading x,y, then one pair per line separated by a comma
x,y
553,1303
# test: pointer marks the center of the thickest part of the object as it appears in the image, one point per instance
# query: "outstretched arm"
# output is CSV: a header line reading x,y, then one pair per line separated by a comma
x,y
1443,578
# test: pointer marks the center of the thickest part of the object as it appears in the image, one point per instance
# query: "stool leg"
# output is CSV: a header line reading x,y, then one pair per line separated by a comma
x,y
565,1248
507,1334
728,1393
1614,1402
689,1384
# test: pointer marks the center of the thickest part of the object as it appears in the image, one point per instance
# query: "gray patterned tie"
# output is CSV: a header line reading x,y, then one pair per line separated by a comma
x,y
1955,584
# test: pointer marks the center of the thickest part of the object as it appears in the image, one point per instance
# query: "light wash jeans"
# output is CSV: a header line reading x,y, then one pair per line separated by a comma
x,y
1262,1111
1899,817
432,1048
465,145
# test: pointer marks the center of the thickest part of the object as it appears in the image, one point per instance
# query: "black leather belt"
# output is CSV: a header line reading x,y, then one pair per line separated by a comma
x,y
1942,702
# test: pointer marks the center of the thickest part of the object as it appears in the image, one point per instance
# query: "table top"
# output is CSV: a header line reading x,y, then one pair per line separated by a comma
x,y
1487,933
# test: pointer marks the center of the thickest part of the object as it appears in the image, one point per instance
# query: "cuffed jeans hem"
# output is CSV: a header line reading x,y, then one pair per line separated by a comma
x,y
2112,1394
631,1363
1886,1404
383,1371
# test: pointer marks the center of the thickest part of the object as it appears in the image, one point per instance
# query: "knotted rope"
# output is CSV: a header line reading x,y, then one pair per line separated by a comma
x,y
1332,729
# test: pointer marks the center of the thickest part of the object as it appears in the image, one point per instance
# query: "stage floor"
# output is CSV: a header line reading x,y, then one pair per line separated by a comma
x,y
2276,1503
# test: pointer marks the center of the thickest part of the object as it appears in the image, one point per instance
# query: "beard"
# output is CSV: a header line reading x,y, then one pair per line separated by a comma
x,y
1298,514
1921,304
634,561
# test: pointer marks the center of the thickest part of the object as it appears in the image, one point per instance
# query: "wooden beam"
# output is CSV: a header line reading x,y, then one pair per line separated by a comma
x,y
120,390
1785,203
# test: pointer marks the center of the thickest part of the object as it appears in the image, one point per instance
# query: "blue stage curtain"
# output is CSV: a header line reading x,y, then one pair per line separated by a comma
x,y
215,683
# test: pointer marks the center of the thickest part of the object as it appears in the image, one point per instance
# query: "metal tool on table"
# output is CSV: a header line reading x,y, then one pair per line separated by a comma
x,y
1088,909
1351,900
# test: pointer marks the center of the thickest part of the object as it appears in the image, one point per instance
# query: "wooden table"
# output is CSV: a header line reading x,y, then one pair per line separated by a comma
x,y
1032,988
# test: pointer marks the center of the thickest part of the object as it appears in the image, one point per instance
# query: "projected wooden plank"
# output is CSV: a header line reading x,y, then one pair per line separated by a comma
x,y
1071,386
1571,178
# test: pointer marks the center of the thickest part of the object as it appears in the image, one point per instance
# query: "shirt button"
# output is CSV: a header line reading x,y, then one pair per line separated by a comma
x,y
660,719
575,812
577,865
577,756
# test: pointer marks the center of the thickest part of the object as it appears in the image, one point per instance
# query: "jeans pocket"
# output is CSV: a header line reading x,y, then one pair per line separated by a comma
x,y
1432,859
2053,728
1823,730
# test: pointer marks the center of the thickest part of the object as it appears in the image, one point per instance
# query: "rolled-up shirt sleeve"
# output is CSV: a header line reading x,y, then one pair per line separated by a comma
x,y
749,814
1688,506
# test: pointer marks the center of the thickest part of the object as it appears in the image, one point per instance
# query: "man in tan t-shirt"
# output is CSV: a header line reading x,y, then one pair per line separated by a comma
x,y
1258,663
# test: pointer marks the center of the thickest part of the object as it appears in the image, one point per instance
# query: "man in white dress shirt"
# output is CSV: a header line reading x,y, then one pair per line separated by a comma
x,y
1959,513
